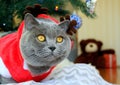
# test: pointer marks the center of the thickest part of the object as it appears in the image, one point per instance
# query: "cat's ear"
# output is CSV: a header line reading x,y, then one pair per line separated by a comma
x,y
65,25
30,21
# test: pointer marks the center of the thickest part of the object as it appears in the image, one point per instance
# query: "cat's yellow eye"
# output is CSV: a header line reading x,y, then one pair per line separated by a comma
x,y
41,38
59,39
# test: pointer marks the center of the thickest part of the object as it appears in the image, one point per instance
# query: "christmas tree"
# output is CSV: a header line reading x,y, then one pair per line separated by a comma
x,y
11,8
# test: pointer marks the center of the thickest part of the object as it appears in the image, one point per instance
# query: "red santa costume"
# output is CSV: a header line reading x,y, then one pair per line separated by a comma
x,y
11,61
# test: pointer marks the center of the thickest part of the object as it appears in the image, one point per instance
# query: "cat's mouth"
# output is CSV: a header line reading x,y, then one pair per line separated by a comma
x,y
52,56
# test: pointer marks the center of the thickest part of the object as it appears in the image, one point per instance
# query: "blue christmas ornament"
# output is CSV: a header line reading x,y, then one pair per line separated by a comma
x,y
78,20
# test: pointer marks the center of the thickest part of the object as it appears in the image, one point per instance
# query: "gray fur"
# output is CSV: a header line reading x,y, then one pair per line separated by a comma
x,y
38,55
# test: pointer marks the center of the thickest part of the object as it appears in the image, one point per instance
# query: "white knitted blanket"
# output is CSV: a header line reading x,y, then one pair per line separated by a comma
x,y
72,74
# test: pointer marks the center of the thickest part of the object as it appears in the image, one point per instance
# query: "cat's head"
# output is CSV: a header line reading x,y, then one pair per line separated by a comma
x,y
43,42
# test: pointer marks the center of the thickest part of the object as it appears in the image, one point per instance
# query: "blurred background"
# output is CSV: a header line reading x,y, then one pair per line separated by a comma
x,y
100,20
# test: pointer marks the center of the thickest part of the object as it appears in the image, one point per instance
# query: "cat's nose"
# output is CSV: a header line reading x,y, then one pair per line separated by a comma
x,y
52,48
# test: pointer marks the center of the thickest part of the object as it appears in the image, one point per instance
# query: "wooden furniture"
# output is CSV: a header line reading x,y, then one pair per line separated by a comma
x,y
111,75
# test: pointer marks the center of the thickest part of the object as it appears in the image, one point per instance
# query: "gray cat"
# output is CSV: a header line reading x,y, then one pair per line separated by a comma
x,y
43,44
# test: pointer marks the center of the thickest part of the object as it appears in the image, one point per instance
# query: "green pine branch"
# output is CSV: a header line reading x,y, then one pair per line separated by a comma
x,y
11,8
79,4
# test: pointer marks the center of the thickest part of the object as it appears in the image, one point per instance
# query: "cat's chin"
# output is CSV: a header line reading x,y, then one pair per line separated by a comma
x,y
52,58
37,70
55,61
